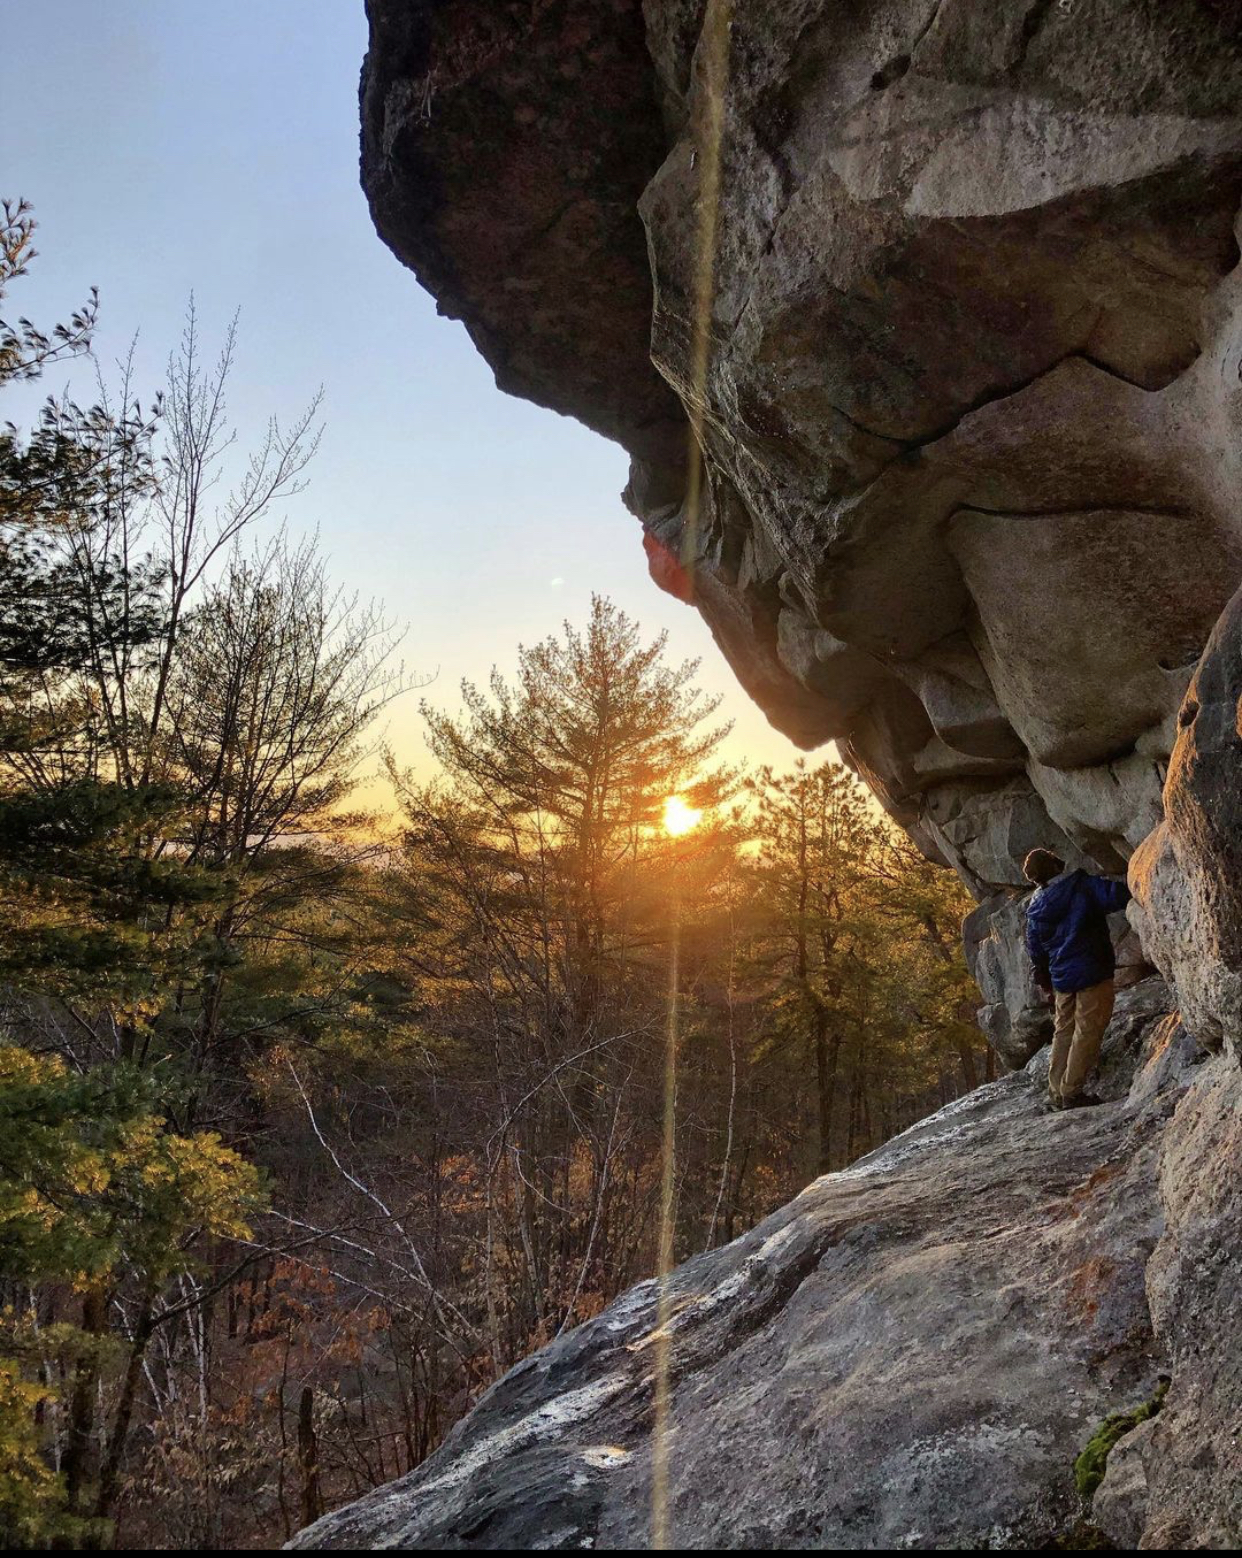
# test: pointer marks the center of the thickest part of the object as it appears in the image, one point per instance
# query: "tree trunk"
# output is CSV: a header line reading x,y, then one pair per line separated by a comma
x,y
308,1458
110,1475
855,1097
81,1448
826,1053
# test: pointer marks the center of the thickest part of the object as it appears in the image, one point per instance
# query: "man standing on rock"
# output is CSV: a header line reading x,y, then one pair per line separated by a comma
x,y
1068,939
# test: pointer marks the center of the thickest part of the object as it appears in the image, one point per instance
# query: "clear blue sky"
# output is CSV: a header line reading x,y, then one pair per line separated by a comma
x,y
170,146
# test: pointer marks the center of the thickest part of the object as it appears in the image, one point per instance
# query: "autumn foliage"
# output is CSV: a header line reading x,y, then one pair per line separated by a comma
x,y
314,1121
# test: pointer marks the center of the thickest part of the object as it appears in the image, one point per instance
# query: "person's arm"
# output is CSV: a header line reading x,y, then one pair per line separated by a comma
x,y
1109,896
1038,954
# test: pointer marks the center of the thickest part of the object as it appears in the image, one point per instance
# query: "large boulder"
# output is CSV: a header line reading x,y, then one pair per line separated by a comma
x,y
505,146
1015,1016
949,292
1186,1468
1187,876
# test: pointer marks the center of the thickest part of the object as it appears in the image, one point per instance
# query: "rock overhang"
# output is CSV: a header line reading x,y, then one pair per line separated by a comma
x,y
972,418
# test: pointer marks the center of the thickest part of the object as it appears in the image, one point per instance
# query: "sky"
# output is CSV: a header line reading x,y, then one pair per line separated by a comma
x,y
170,148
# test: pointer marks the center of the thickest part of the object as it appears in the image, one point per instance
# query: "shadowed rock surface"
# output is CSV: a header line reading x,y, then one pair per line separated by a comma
x,y
1188,874
1187,880
972,428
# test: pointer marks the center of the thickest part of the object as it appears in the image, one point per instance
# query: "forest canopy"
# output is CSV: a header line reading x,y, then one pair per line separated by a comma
x,y
313,1121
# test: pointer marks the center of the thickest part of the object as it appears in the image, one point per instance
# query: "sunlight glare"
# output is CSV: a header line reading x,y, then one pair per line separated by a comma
x,y
679,818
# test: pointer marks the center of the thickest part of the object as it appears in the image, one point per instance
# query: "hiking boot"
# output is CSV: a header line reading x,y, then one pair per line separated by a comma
x,y
1083,1100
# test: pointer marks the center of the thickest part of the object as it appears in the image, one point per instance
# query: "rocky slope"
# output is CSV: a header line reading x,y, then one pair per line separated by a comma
x,y
970,428
908,1355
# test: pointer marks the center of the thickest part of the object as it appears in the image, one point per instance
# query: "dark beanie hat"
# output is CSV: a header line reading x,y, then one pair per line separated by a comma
x,y
1041,865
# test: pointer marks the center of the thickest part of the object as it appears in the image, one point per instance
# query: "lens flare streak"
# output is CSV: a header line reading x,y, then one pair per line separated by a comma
x,y
679,818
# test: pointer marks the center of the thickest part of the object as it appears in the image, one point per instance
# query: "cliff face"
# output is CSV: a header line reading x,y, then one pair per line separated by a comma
x,y
971,428
972,413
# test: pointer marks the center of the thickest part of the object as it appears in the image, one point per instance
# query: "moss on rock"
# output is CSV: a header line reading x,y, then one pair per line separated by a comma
x,y
1091,1465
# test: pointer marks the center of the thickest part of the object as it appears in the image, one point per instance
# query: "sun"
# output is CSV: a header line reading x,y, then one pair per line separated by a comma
x,y
680,818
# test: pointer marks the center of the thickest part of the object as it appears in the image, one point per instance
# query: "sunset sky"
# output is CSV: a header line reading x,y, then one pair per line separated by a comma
x,y
214,148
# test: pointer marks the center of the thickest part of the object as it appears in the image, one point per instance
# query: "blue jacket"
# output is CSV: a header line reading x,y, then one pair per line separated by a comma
x,y
1067,930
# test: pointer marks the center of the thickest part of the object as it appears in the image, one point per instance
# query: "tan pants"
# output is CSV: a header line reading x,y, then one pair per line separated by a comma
x,y
1081,1020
